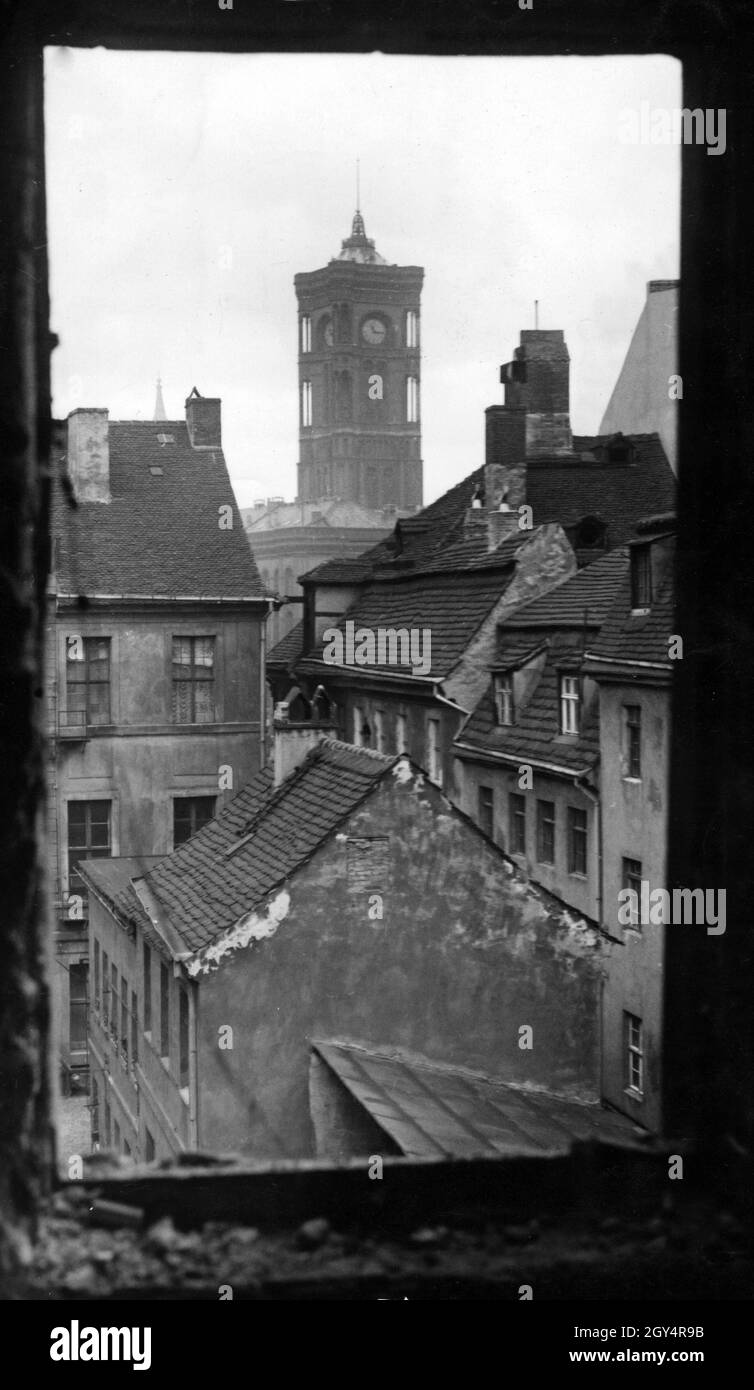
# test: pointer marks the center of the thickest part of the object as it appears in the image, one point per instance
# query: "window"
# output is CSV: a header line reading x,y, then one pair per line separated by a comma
x,y
77,976
94,1113
306,333
569,704
412,400
96,975
190,813
401,745
106,1131
546,832
306,404
164,1012
134,1028
193,680
517,822
183,1038
434,765
486,810
116,1136
412,328
576,840
124,1017
361,730
632,880
147,955
503,686
632,740
114,1004
105,992
634,1053
88,838
379,731
641,577
148,1146
87,677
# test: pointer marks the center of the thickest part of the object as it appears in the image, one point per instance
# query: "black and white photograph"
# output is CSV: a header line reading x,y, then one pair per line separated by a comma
x,y
377,592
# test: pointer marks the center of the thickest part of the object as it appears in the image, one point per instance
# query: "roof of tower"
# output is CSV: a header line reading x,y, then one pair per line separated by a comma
x,y
358,246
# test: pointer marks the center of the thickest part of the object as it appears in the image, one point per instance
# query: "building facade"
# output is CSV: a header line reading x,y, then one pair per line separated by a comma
x,y
155,674
359,378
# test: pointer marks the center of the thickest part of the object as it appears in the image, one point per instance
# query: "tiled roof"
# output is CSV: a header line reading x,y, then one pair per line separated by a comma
x,y
591,590
159,535
436,1111
641,638
451,611
535,736
288,650
556,618
205,886
558,490
112,879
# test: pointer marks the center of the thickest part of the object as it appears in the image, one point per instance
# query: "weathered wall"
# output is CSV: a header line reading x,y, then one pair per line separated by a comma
x,y
579,891
635,825
464,955
640,402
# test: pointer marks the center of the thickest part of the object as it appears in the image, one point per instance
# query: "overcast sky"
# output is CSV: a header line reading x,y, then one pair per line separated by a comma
x,y
186,191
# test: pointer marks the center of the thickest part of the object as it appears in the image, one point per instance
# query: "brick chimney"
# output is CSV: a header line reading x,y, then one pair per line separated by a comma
x,y
292,742
203,420
89,455
544,392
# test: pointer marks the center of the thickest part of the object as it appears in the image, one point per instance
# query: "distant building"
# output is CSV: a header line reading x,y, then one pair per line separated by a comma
x,y
340,964
359,378
644,398
155,681
290,538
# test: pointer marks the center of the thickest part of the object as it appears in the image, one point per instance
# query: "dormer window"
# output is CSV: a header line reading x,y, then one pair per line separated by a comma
x,y
503,689
570,702
641,578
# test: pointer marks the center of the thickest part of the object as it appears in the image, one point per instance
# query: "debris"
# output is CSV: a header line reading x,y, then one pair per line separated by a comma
x,y
313,1233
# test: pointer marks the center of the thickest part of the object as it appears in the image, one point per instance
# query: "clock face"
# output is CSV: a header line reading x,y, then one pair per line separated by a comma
x,y
373,331
328,334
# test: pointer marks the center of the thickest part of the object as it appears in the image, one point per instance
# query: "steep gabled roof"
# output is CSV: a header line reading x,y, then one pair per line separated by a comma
x,y
260,839
159,536
628,638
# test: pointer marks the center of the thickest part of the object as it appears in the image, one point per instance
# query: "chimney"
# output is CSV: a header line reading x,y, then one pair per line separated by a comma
x,y
89,455
203,414
543,392
292,742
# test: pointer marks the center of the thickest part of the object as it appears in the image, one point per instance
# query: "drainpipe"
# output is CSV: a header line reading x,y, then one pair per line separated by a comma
x,y
193,1125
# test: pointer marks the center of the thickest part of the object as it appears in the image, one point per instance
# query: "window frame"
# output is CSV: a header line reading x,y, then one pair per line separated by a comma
x,y
486,809
412,400
633,1053
632,742
631,877
542,822
194,680
87,683
307,404
517,819
578,838
502,695
191,803
570,704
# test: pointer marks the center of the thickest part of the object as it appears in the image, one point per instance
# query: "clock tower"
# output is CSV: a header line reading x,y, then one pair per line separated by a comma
x,y
359,378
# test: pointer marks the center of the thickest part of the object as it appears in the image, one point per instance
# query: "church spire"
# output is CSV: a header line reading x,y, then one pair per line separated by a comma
x,y
159,404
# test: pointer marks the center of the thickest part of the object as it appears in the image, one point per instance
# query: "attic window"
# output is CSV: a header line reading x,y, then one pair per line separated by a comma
x,y
164,439
503,689
619,452
641,579
155,470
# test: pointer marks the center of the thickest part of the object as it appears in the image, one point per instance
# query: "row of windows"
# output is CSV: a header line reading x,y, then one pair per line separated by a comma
x,y
411,330
570,716
375,392
90,830
546,826
88,680
118,1010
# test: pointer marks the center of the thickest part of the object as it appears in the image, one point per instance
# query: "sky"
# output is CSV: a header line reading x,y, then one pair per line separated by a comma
x,y
185,191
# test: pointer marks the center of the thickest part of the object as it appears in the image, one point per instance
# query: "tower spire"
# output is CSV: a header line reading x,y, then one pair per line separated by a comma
x,y
159,404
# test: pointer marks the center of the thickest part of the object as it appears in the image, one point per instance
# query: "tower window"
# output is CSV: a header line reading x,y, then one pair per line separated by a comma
x,y
306,333
306,403
412,328
412,400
